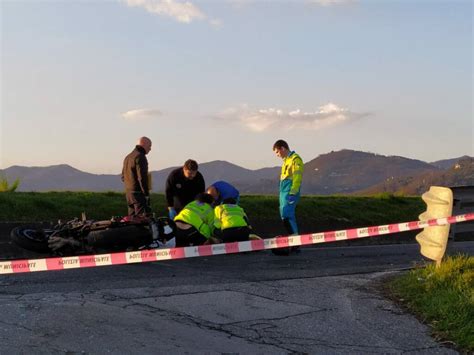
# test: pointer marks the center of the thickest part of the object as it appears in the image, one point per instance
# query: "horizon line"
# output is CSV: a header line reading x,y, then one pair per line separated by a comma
x,y
228,162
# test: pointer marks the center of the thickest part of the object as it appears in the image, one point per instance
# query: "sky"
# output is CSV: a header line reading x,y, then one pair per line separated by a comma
x,y
81,81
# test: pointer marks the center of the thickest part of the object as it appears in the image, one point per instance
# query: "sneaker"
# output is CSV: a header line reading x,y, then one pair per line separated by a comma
x,y
152,245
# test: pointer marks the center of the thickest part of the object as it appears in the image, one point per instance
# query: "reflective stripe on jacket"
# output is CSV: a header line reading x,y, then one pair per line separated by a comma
x,y
199,215
229,216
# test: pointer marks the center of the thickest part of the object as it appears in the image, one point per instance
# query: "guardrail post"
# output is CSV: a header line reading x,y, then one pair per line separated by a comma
x,y
433,239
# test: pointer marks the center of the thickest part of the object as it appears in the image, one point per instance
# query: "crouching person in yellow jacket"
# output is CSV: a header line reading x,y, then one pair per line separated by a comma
x,y
230,222
195,222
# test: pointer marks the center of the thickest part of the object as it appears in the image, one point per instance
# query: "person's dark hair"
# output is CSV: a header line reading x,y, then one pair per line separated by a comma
x,y
281,143
204,198
230,200
190,165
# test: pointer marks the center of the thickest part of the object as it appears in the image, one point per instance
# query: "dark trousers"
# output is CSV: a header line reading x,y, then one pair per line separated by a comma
x,y
137,204
236,234
189,237
119,238
290,229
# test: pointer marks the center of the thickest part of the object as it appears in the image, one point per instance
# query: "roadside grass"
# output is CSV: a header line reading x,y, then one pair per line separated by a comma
x,y
355,211
442,297
351,210
50,206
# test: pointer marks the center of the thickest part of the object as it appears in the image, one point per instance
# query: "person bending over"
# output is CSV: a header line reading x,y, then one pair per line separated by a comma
x,y
221,190
182,186
230,222
195,222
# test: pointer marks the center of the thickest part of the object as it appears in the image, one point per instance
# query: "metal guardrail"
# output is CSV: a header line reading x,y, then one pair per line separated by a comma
x,y
463,203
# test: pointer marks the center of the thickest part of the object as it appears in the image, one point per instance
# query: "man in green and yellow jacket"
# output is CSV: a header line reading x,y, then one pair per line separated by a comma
x,y
290,184
230,222
195,222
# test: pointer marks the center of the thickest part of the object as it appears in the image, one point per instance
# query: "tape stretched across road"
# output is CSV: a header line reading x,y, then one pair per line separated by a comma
x,y
73,262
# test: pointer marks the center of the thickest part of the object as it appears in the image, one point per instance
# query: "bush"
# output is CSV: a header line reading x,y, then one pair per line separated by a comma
x,y
4,186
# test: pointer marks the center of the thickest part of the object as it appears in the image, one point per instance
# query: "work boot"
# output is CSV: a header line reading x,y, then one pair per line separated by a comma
x,y
282,251
289,250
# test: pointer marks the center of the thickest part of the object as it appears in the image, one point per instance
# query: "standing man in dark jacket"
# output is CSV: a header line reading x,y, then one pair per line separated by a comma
x,y
135,178
182,186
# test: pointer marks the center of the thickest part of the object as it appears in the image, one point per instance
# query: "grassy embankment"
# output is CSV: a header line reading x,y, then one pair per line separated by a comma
x,y
443,297
32,206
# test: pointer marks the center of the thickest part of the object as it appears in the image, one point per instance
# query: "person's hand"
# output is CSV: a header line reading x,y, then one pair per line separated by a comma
x,y
55,243
212,240
291,199
172,213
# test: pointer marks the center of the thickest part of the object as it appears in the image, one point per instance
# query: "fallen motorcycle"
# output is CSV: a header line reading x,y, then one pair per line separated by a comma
x,y
79,236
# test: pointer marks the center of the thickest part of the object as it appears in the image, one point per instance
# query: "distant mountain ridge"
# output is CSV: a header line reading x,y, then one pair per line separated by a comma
x,y
347,171
60,178
448,163
64,177
461,173
340,172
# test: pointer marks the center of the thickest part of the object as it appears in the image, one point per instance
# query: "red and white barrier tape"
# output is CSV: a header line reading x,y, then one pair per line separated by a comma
x,y
73,262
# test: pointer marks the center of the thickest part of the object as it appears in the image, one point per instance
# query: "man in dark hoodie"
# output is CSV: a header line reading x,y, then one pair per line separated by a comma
x,y
135,178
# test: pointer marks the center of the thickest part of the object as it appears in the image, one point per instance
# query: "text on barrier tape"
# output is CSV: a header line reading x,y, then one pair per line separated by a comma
x,y
73,262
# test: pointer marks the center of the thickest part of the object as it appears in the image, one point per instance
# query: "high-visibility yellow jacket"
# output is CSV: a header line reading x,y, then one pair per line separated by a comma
x,y
199,215
229,216
291,174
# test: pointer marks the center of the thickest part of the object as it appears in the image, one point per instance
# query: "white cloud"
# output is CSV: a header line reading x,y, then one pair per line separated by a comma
x,y
141,114
267,119
184,12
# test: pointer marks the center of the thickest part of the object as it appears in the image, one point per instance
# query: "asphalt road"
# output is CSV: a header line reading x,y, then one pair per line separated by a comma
x,y
322,300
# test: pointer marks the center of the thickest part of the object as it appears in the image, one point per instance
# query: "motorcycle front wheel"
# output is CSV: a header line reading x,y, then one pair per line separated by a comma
x,y
31,238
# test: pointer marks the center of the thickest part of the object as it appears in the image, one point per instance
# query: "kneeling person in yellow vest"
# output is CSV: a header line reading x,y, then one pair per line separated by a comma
x,y
195,222
230,222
